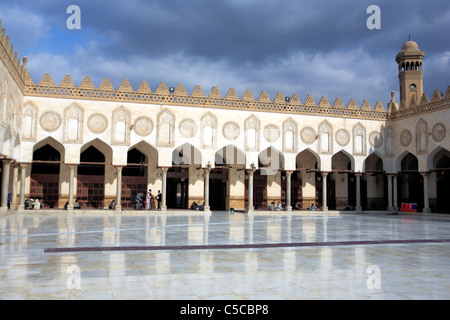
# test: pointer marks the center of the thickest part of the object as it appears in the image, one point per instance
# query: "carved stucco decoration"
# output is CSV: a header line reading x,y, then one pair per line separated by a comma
x,y
271,133
376,139
231,130
97,123
143,126
405,138
308,135
188,128
50,121
252,131
438,132
73,124
342,137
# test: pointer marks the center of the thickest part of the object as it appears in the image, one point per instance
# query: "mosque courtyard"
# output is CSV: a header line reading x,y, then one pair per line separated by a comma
x,y
191,255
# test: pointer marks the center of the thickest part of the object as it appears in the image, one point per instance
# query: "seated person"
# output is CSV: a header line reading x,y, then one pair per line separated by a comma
x,y
312,206
271,206
112,205
298,206
202,206
278,207
76,205
194,206
28,204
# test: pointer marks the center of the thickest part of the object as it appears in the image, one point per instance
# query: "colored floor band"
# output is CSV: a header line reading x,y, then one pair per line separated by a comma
x,y
245,246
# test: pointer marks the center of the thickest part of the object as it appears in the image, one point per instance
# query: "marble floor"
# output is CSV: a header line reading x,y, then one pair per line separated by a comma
x,y
413,268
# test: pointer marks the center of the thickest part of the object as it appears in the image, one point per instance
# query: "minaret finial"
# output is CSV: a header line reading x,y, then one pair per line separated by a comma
x,y
409,37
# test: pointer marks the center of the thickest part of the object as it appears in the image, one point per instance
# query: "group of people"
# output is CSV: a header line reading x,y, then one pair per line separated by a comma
x,y
275,207
76,205
33,204
148,202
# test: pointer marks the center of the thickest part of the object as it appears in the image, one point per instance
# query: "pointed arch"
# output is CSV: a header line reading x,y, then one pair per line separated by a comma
x,y
208,131
435,156
230,155
422,137
73,124
186,155
307,159
359,140
102,147
252,127
150,152
270,161
342,160
290,135
325,138
165,134
121,122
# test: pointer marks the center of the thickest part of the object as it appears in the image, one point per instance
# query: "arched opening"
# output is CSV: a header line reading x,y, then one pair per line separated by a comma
x,y
44,178
134,178
375,197
410,182
226,180
305,188
341,183
91,178
441,170
185,159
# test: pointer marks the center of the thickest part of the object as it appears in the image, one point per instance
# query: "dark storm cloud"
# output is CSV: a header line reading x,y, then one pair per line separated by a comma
x,y
318,47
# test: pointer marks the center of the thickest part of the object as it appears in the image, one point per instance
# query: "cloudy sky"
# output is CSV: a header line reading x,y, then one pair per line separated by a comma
x,y
322,48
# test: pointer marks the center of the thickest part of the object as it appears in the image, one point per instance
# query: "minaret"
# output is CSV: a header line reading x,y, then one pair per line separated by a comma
x,y
410,73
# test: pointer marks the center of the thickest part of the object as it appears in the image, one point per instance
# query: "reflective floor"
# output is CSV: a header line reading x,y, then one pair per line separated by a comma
x,y
410,269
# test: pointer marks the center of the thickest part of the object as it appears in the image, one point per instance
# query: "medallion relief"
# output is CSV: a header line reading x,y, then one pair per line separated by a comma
x,y
143,126
50,121
271,133
188,128
342,137
97,123
231,130
376,139
308,135
405,138
438,132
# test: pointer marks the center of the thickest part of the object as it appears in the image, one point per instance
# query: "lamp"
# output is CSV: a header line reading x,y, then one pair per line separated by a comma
x,y
172,89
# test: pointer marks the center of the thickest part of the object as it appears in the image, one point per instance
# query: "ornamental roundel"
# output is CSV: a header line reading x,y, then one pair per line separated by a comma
x,y
97,123
231,130
342,137
271,133
376,139
405,138
188,128
438,132
308,135
50,121
143,126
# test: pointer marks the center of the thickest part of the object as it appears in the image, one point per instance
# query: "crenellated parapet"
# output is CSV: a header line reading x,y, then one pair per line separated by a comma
x,y
16,67
197,98
164,95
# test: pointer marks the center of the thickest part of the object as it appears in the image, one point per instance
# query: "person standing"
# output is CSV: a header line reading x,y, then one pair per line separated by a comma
x,y
148,200
159,198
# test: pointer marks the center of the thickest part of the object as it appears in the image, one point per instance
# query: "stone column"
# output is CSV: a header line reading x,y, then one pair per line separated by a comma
x,y
72,168
5,184
389,183
14,187
206,189
395,204
23,172
324,191
358,191
250,191
288,191
426,200
119,188
164,187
